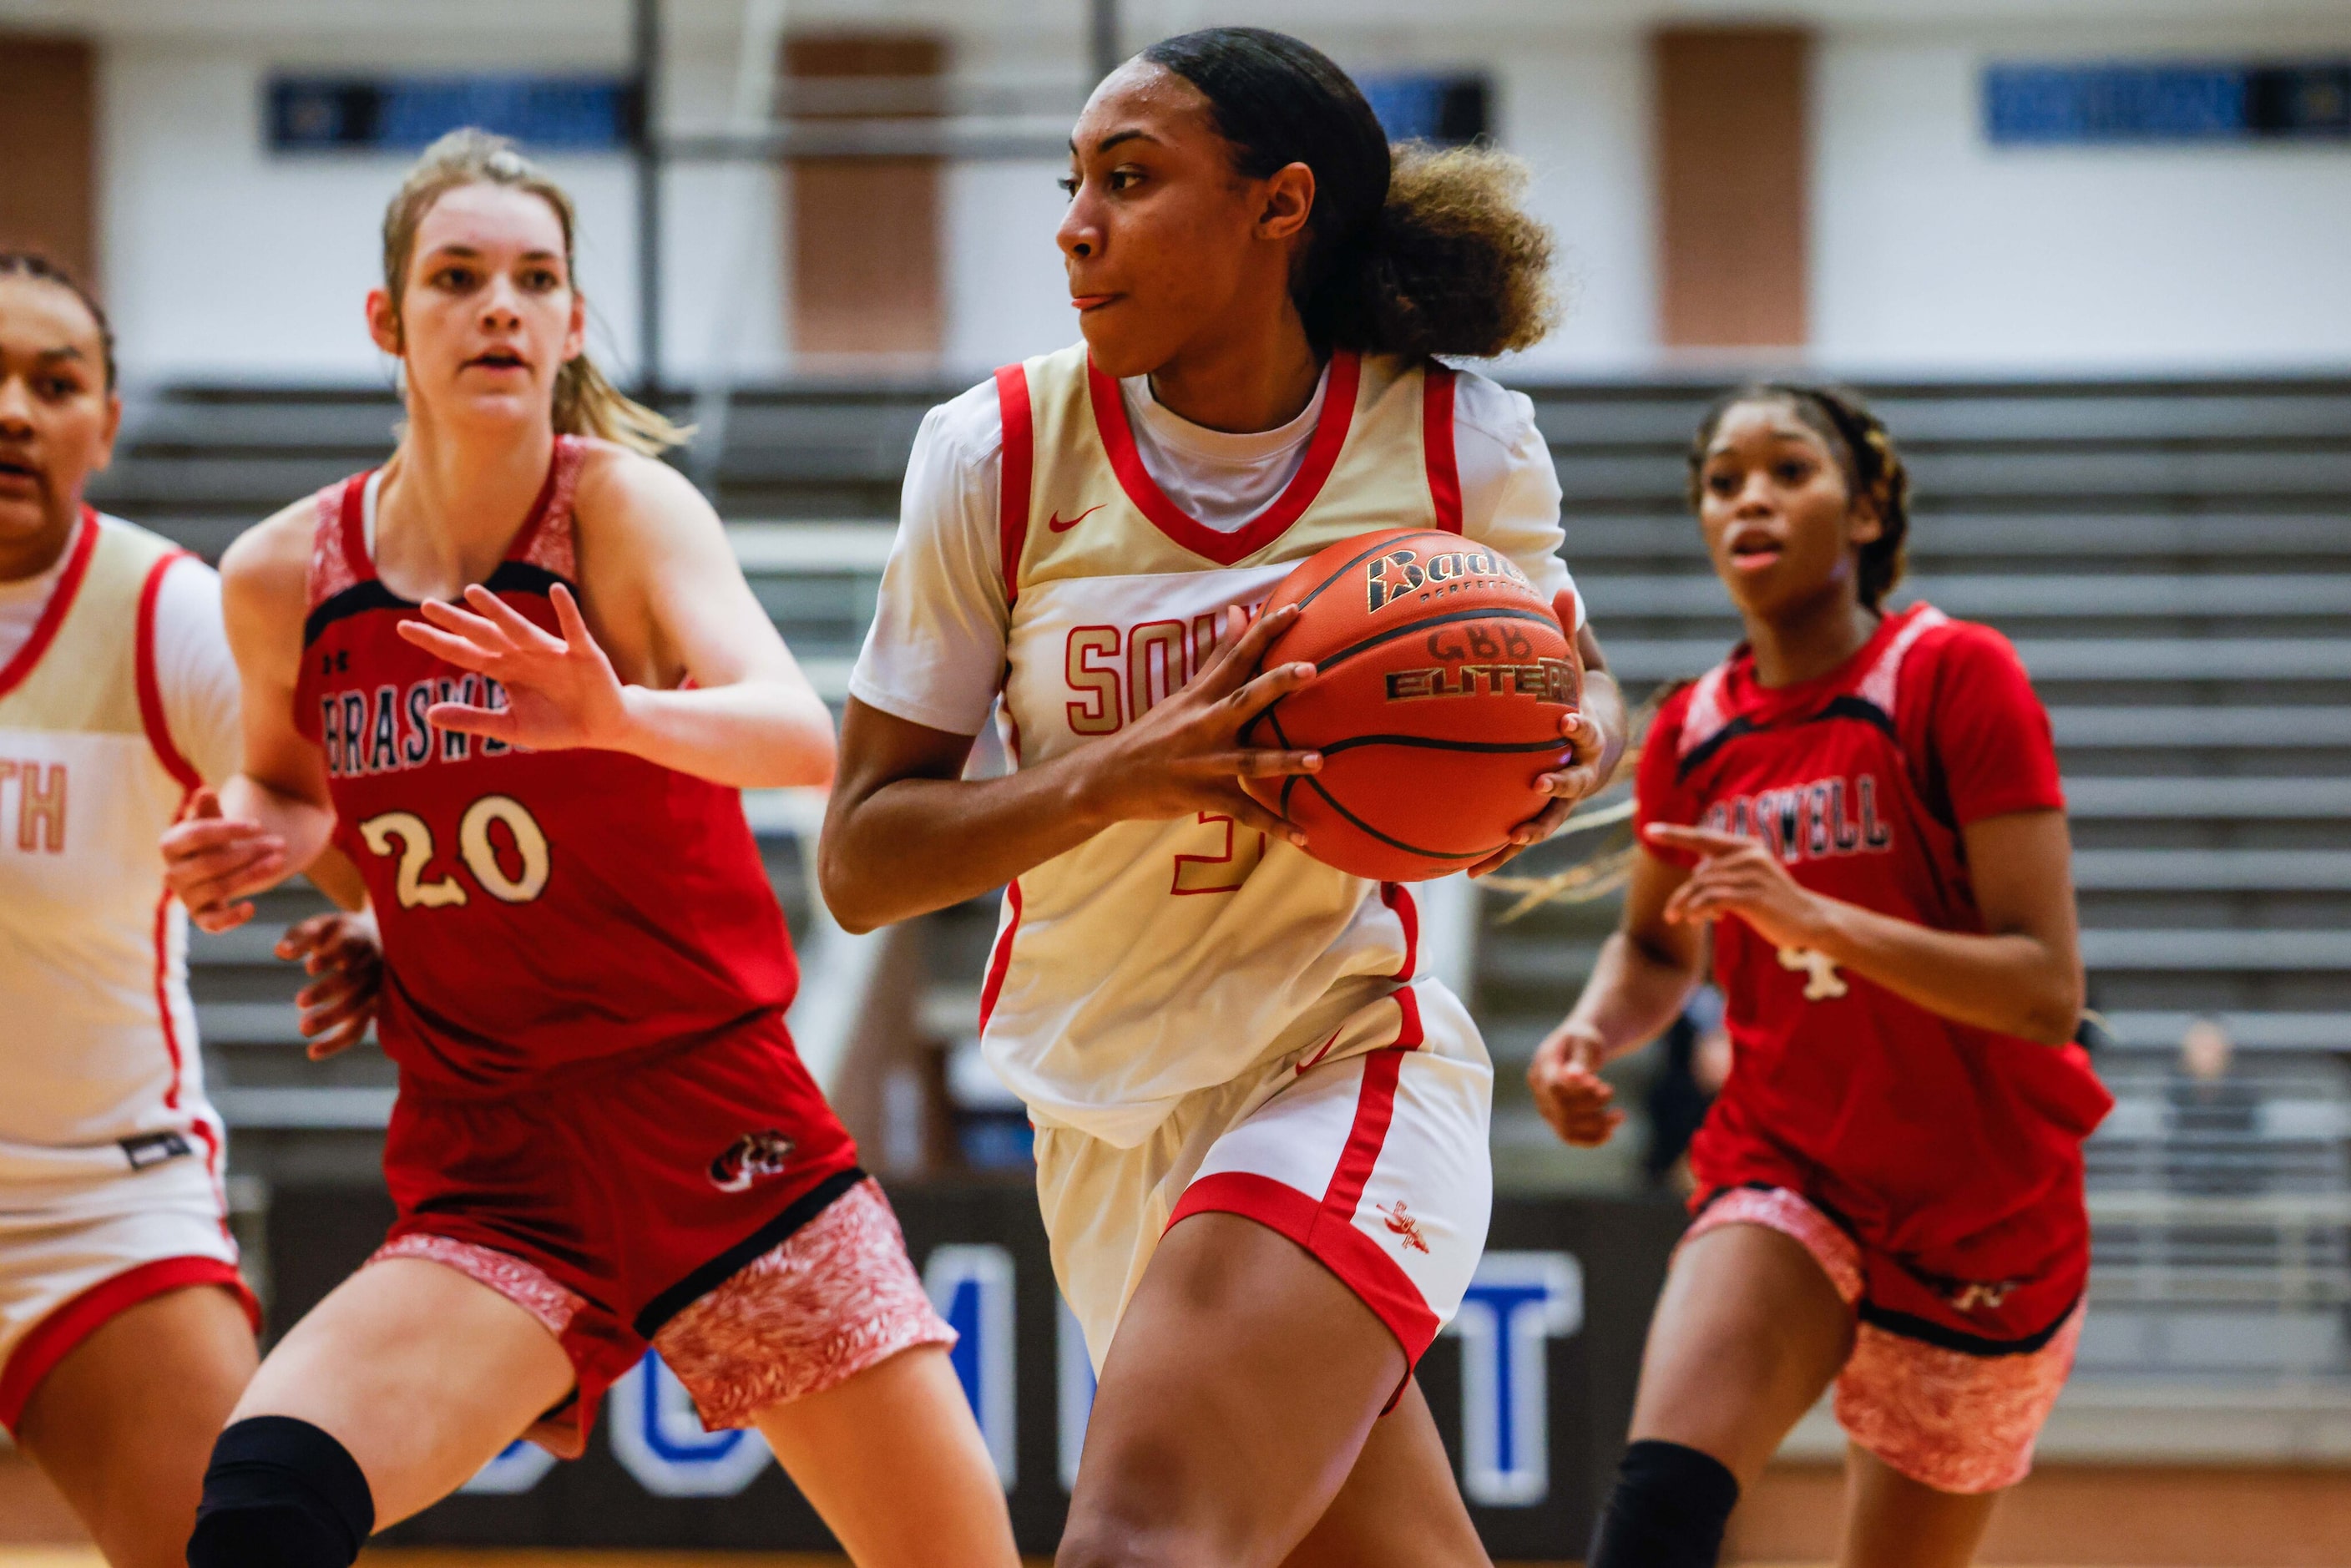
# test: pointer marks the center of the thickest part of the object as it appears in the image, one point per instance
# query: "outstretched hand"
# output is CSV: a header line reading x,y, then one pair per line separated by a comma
x,y
561,691
1185,754
214,863
1738,875
346,956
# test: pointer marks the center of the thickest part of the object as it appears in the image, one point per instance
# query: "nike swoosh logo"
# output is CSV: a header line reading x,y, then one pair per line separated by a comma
x,y
1059,526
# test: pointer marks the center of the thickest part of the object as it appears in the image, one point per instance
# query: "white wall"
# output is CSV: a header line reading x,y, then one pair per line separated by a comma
x,y
1935,250
222,260
1932,251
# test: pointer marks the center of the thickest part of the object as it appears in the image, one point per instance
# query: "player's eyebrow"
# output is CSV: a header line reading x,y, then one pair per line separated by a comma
x,y
1132,133
69,353
467,253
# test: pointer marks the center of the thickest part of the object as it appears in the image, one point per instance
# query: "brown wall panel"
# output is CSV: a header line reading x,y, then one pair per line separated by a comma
x,y
49,129
866,274
1732,170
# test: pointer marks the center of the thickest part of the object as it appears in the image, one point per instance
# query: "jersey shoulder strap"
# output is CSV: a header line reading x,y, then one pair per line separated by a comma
x,y
78,672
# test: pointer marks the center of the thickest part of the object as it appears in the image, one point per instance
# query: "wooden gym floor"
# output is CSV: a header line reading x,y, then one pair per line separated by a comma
x,y
2081,1516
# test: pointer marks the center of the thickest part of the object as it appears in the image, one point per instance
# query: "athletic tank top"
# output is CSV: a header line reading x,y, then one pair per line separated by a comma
x,y
1162,957
98,1037
538,909
1918,1130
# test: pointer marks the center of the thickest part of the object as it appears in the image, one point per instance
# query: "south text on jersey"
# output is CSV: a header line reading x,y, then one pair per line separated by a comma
x,y
39,792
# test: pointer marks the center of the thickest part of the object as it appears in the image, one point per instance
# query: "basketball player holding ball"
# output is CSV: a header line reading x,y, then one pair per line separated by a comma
x,y
517,676
1261,1127
1863,807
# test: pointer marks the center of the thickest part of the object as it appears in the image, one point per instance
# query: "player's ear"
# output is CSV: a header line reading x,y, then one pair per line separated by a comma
x,y
1289,201
1865,524
575,333
108,430
383,321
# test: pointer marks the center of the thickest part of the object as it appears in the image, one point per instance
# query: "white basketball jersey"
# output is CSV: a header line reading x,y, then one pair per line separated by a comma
x,y
1162,957
99,1070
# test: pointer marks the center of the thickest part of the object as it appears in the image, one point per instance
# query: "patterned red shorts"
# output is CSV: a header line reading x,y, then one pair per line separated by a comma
x,y
1952,1419
836,1297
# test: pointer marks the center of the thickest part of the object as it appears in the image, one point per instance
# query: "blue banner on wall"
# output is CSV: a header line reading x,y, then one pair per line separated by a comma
x,y
2167,101
1451,110
558,113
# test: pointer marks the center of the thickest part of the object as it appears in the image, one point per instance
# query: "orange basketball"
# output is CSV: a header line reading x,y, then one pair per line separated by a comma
x,y
1440,679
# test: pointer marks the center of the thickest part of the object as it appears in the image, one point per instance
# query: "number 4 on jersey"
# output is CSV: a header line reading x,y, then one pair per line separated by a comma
x,y
405,834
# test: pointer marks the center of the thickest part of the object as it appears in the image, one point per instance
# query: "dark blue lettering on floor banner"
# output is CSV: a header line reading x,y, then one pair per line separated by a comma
x,y
1531,1385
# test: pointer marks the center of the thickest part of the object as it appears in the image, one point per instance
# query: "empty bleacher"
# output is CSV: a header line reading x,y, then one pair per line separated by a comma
x,y
2173,559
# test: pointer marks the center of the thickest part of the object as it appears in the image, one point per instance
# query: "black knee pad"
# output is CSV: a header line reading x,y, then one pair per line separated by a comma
x,y
1667,1509
280,1493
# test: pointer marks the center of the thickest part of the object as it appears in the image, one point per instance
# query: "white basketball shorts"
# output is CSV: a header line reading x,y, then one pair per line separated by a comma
x,y
1368,1148
66,1268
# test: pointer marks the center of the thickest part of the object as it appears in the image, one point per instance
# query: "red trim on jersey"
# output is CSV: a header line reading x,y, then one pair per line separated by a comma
x,y
53,614
1436,444
159,735
1019,467
1399,897
55,1336
150,690
164,998
1000,962
1226,548
205,1130
1412,1034
354,528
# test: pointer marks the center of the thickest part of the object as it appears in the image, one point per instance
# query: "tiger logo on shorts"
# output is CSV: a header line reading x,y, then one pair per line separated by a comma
x,y
749,1159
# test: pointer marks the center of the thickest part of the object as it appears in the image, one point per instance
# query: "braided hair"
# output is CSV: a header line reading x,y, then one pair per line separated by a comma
x,y
32,263
1874,470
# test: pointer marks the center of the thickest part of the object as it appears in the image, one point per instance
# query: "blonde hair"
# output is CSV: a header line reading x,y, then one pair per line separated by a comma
x,y
586,403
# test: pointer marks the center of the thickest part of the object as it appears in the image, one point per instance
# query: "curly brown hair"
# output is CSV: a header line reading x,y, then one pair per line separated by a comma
x,y
1874,470
1411,249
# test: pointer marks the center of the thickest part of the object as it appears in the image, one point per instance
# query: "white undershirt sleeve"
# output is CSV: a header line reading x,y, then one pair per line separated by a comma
x,y
194,674
934,654
1509,490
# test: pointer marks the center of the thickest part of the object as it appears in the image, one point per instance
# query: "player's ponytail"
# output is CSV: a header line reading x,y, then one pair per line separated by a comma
x,y
1874,470
586,403
1410,250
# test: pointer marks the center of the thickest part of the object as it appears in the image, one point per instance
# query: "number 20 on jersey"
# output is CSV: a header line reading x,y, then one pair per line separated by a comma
x,y
513,872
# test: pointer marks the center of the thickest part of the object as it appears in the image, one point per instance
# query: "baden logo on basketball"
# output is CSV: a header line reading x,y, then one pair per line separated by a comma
x,y
1401,573
749,1159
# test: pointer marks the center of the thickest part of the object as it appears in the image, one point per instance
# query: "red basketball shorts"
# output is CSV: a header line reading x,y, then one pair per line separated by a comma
x,y
704,1200
1955,1408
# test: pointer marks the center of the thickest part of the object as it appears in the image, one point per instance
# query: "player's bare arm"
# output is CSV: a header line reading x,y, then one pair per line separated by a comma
x,y
678,665
906,833
2021,977
274,819
1645,971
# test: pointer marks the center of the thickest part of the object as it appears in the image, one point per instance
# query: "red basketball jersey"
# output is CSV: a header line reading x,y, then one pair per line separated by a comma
x,y
537,908
1920,1131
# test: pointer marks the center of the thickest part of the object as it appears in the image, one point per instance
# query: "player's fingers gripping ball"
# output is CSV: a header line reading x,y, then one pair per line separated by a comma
x,y
1441,679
